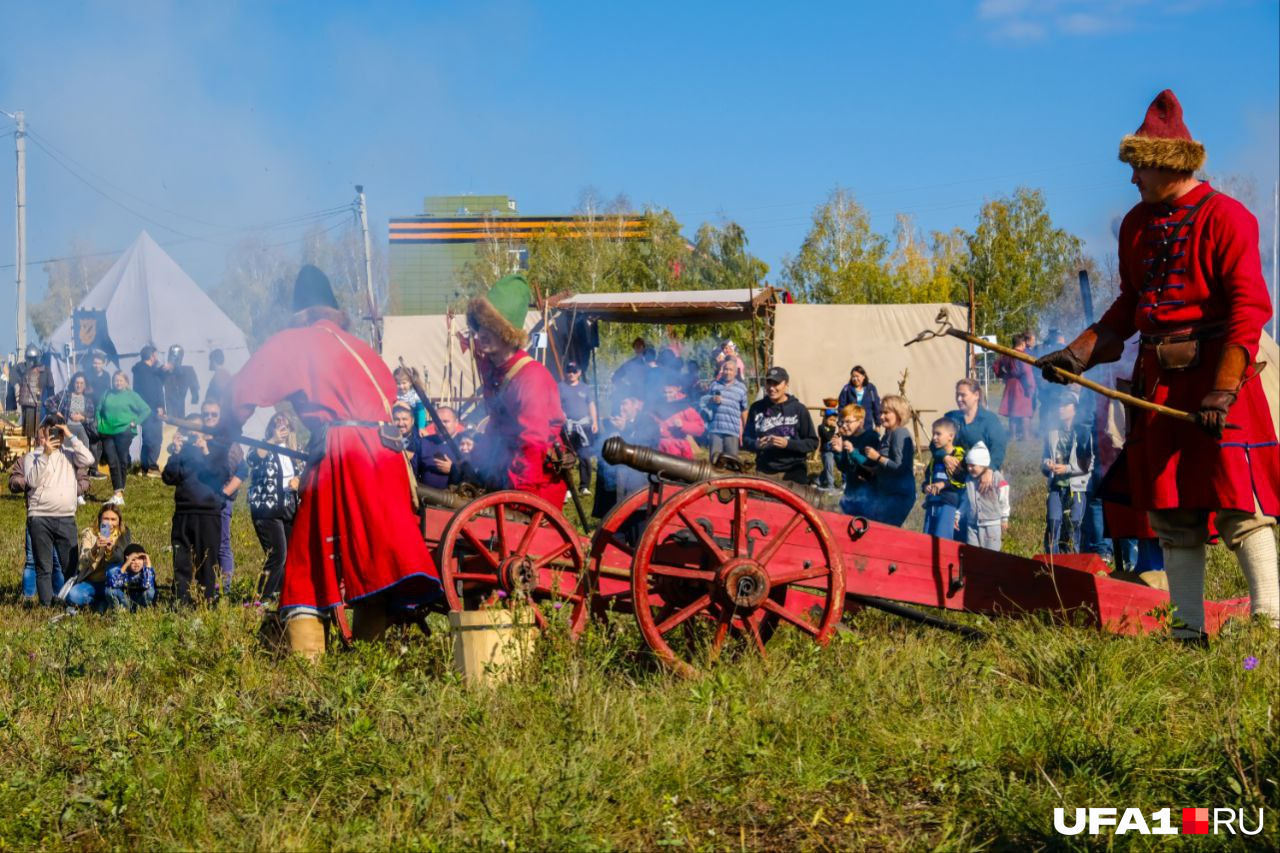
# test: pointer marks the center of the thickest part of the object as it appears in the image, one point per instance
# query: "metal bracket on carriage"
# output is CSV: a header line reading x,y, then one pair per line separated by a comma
x,y
955,578
858,526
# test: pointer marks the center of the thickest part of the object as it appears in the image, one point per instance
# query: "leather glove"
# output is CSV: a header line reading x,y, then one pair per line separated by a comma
x,y
1212,414
1064,359
1095,345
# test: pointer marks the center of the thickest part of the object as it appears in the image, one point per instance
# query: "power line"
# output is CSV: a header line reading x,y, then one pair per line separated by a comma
x,y
170,243
50,147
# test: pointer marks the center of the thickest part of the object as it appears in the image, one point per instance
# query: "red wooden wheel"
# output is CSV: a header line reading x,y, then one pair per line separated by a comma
x,y
514,546
722,563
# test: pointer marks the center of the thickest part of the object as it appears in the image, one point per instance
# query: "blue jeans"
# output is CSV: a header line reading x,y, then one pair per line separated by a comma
x,y
89,594
1064,512
940,519
225,558
131,599
827,479
1093,539
29,572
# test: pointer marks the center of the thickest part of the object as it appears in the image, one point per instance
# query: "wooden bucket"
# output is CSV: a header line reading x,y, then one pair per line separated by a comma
x,y
489,645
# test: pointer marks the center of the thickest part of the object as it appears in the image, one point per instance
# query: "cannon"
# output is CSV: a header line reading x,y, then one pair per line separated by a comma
x,y
712,562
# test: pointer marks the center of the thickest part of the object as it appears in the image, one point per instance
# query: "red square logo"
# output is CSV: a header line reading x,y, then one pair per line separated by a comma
x,y
1195,821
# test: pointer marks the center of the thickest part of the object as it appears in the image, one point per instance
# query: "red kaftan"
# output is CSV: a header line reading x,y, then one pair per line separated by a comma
x,y
355,514
525,419
1019,387
1214,276
678,429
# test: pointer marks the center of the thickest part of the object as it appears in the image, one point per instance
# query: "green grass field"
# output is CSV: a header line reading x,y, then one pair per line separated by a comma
x,y
179,729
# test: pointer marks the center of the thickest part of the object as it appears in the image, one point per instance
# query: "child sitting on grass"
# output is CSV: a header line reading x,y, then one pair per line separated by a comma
x,y
943,492
133,583
985,517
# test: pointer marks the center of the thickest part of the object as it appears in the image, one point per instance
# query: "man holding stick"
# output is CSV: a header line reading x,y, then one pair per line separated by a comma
x,y
1191,285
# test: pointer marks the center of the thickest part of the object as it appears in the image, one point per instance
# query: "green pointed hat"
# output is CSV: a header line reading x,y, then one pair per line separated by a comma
x,y
503,309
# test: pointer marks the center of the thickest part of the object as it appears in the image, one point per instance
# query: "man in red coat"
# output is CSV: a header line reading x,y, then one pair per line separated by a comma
x,y
355,537
520,395
1191,285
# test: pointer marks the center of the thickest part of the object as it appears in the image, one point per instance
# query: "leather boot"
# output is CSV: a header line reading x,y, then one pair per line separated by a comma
x,y
1257,556
370,622
1184,570
305,634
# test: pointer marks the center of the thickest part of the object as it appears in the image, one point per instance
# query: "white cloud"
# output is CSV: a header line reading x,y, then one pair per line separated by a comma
x,y
1020,20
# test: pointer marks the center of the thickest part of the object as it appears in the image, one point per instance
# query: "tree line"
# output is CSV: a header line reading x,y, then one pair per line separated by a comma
x,y
1023,267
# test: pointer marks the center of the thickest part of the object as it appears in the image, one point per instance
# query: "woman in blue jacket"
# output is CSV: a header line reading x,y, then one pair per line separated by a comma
x,y
859,390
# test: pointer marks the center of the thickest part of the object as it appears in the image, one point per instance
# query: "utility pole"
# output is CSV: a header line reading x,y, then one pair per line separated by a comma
x,y
20,257
375,323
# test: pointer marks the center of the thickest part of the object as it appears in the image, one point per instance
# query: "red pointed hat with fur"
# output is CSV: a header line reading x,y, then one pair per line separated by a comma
x,y
1163,141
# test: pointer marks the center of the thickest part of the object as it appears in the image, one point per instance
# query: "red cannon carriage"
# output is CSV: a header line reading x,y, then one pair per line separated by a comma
x,y
709,561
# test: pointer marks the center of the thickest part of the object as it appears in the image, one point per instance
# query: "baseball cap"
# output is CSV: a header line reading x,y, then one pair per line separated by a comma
x,y
777,374
572,367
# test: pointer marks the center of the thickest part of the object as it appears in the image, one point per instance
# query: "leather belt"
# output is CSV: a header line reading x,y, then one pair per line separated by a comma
x,y
1206,332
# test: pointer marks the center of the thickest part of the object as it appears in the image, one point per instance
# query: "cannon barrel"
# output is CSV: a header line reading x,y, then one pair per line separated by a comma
x,y
443,498
646,459
616,451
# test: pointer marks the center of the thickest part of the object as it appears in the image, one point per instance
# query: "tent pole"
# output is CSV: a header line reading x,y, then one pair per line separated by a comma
x,y
755,338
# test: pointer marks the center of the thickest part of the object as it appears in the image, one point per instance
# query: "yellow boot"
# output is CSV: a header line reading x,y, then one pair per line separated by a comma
x,y
370,622
305,633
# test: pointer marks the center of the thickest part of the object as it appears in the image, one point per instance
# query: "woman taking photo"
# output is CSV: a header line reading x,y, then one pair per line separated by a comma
x,y
273,501
119,412
101,549
859,390
894,484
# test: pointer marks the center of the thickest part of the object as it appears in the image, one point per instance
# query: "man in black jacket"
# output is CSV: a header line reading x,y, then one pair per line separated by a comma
x,y
180,380
198,473
148,382
780,430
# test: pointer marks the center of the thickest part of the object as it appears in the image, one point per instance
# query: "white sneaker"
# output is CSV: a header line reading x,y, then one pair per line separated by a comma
x,y
79,500
116,500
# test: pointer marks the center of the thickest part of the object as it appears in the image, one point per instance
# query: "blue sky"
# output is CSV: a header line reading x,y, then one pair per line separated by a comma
x,y
222,115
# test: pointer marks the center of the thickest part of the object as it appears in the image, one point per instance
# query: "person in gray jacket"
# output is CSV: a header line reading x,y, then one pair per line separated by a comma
x,y
1067,463
984,515
51,481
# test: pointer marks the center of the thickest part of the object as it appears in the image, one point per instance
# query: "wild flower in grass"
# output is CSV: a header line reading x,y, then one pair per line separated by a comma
x,y
1251,662
502,593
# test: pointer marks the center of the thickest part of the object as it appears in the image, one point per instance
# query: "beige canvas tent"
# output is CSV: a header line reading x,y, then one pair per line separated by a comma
x,y
430,341
817,344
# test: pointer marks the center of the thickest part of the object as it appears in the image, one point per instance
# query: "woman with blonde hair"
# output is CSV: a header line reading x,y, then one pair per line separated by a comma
x,y
893,483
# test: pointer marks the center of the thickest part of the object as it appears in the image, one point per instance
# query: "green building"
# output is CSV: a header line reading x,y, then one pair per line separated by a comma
x,y
429,252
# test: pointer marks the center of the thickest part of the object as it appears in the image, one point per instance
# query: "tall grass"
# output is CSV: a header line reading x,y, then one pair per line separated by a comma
x,y
179,729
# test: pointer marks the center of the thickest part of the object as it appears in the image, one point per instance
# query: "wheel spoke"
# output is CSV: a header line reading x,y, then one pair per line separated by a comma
x,y
618,542
722,631
777,609
500,524
477,577
684,613
474,541
777,541
740,522
753,628
535,521
704,538
680,572
546,558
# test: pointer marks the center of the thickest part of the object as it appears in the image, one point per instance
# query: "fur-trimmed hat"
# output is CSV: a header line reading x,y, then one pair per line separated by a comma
x,y
311,289
1163,141
502,310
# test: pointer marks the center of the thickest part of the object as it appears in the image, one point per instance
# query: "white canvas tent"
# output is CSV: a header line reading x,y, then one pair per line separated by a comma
x,y
817,344
149,299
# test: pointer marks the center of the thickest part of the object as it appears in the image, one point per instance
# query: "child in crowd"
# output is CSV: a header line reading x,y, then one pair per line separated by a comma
x,y
407,395
827,432
985,516
132,584
848,448
1068,464
892,463
943,492
101,549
